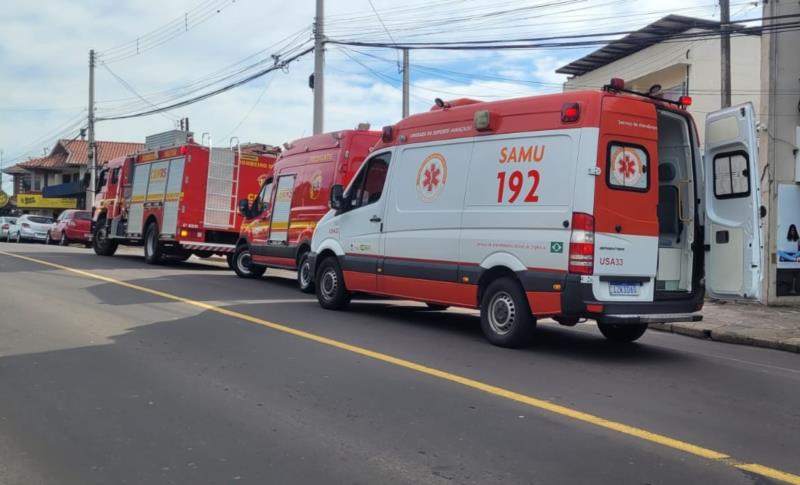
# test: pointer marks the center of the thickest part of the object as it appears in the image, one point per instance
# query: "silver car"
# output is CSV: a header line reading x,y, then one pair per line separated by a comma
x,y
5,224
29,228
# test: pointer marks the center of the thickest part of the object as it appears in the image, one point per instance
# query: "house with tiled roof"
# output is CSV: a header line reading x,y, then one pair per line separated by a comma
x,y
60,173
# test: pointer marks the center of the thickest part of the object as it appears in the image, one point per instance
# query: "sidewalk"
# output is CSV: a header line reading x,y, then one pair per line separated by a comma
x,y
745,324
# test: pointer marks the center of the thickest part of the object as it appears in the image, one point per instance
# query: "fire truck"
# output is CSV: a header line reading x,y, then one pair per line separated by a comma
x,y
177,198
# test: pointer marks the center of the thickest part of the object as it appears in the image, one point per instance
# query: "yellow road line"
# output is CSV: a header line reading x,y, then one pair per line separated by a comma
x,y
455,378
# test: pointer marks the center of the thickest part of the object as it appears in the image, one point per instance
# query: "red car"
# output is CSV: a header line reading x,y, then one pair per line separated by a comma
x,y
71,226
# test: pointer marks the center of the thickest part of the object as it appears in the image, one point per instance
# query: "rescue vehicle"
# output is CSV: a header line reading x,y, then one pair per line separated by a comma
x,y
279,225
177,198
581,205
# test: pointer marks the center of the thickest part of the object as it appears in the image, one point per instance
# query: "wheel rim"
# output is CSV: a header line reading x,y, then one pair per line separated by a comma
x,y
305,274
502,313
329,284
243,262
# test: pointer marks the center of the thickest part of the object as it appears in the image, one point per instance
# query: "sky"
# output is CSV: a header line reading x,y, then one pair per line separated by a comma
x,y
44,49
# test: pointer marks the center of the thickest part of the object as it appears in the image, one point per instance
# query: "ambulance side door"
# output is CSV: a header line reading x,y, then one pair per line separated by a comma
x,y
259,226
732,232
361,223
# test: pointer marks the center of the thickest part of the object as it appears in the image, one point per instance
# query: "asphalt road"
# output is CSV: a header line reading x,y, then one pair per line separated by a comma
x,y
104,383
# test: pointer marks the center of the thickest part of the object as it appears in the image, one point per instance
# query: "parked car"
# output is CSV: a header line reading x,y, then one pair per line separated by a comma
x,y
30,228
71,226
5,225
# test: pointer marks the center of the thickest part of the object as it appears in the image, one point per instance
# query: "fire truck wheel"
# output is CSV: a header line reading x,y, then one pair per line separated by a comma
x,y
506,317
304,280
625,333
102,245
153,252
242,264
331,292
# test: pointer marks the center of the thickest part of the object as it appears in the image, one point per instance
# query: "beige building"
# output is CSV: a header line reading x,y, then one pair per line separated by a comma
x,y
656,54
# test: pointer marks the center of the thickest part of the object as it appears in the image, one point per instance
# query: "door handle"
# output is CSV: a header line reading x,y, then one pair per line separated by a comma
x,y
375,219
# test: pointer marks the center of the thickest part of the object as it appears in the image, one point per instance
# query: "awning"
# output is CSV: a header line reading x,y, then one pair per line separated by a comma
x,y
70,189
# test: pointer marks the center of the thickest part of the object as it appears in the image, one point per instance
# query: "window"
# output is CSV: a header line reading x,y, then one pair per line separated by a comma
x,y
628,167
82,216
36,183
731,175
368,186
115,176
262,201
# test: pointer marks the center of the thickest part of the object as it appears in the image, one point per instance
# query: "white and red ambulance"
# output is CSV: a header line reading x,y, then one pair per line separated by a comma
x,y
590,204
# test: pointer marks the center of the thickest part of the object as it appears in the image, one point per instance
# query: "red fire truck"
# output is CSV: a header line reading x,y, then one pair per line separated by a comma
x,y
177,198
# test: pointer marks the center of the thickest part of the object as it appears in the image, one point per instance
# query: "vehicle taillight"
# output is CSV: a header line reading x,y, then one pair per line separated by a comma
x,y
26,225
581,244
5,226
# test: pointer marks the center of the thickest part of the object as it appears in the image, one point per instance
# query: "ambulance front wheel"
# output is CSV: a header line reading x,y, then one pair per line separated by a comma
x,y
304,279
506,317
242,264
331,292
622,333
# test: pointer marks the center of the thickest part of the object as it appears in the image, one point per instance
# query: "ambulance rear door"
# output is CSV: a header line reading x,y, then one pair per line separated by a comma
x,y
732,233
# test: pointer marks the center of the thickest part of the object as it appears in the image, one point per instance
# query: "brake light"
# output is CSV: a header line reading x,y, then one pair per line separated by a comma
x,y
570,112
26,225
685,100
581,244
5,226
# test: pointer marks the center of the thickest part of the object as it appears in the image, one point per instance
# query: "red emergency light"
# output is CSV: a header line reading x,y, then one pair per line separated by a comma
x,y
387,133
685,100
617,83
570,112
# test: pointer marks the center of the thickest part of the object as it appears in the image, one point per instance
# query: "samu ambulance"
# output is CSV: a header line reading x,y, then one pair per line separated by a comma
x,y
588,204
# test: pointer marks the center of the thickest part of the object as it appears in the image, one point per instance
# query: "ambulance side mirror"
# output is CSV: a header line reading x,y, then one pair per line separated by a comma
x,y
244,208
337,197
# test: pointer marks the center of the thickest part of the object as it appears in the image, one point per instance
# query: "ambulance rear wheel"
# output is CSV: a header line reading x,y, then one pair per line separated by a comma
x,y
506,317
102,245
153,251
304,281
622,333
331,292
243,266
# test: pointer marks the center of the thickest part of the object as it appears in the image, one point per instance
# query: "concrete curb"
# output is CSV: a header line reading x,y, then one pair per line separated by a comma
x,y
719,333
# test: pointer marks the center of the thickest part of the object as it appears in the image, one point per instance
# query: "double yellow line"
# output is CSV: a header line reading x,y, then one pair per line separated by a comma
x,y
454,378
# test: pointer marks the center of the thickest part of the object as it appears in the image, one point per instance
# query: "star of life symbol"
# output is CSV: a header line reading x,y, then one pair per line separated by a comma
x,y
431,177
627,169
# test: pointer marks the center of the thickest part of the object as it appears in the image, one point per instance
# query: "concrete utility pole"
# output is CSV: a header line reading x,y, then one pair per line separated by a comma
x,y
319,68
405,83
725,47
90,128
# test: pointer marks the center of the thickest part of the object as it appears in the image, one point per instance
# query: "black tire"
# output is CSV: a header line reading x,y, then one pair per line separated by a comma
x,y
622,333
63,241
435,307
242,264
331,291
47,240
19,238
153,250
304,280
506,317
102,245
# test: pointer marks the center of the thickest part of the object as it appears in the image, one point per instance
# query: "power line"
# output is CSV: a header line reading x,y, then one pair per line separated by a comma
x,y
130,88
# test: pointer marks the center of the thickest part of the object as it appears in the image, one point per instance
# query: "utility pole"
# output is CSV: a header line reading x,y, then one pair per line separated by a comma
x,y
725,47
405,83
319,68
90,126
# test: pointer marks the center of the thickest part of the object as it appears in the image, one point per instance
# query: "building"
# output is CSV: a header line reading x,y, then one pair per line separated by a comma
x,y
657,55
55,182
779,151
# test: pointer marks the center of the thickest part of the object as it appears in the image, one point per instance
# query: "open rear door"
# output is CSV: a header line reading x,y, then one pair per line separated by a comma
x,y
733,233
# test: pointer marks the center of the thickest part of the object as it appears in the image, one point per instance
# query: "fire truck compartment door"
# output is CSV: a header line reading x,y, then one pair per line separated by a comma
x,y
732,232
141,176
169,224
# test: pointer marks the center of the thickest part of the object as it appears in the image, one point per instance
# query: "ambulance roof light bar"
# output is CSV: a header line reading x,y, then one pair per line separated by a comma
x,y
617,85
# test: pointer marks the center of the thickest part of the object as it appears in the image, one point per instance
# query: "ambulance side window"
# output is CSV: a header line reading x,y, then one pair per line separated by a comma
x,y
628,167
368,187
731,175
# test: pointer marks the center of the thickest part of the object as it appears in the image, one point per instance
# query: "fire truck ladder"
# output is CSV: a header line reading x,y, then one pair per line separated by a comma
x,y
222,187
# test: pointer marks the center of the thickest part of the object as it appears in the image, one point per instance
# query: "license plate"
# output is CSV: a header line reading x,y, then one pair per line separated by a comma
x,y
41,235
624,289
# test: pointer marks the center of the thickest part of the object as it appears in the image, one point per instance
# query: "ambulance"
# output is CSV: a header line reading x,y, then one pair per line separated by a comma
x,y
593,205
279,223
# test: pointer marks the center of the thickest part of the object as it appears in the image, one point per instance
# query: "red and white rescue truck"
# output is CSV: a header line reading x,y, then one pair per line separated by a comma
x,y
589,204
177,198
279,225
